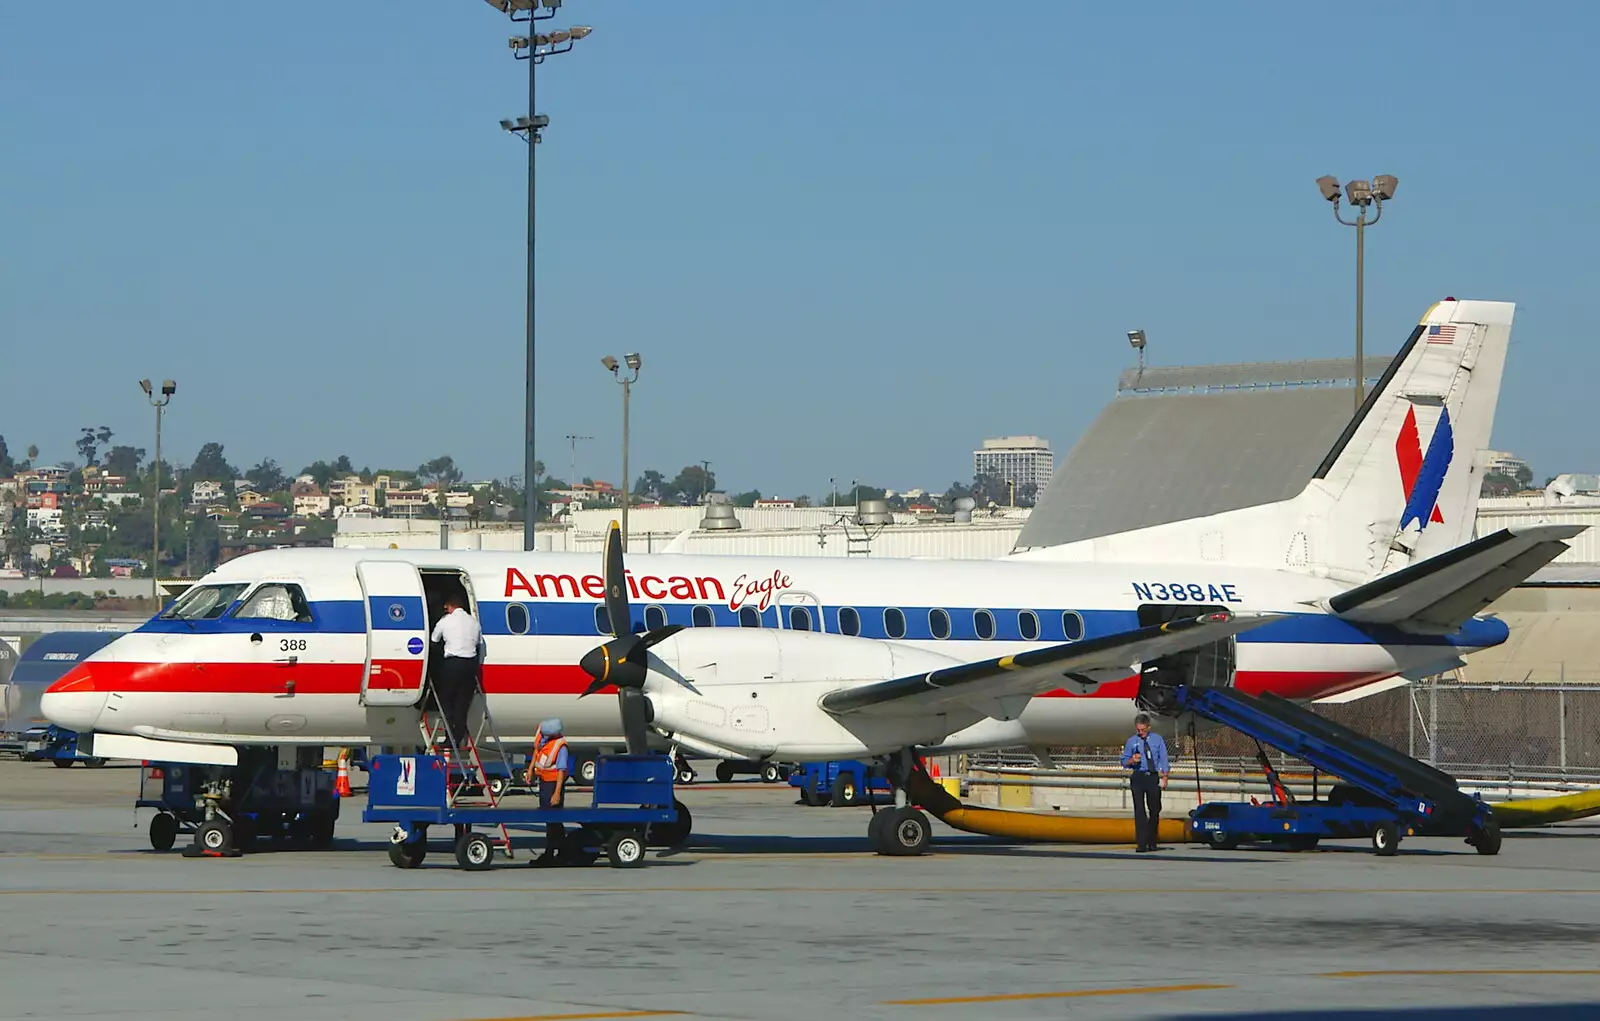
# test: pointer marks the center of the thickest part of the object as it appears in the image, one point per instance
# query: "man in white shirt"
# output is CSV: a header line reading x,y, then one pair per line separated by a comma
x,y
456,677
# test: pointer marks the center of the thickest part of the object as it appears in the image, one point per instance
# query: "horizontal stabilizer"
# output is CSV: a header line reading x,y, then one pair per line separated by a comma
x,y
999,682
1440,594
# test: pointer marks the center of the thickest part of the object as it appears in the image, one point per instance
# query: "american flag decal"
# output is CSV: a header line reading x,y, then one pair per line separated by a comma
x,y
1441,334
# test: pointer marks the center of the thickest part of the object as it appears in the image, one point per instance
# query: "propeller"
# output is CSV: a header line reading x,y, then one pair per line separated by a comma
x,y
624,662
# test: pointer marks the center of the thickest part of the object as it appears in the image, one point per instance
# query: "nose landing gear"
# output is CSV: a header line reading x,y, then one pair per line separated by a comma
x,y
904,830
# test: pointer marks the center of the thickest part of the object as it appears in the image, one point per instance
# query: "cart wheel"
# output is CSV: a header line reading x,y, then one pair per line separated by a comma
x,y
498,786
845,792
94,763
163,831
770,773
1224,841
1302,842
674,833
581,848
408,856
686,775
1386,839
586,770
724,772
215,836
244,833
626,851
474,852
321,829
1487,838
905,834
812,798
64,763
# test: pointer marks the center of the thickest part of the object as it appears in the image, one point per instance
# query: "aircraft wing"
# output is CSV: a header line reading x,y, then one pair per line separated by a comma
x,y
1000,687
1440,594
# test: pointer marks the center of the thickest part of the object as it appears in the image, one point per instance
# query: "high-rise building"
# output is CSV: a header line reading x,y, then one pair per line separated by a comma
x,y
1020,460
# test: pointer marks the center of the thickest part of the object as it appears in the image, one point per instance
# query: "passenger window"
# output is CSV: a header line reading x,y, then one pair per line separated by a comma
x,y
749,616
516,618
602,619
703,617
983,623
894,622
939,623
1072,625
799,618
655,617
276,602
849,621
1028,625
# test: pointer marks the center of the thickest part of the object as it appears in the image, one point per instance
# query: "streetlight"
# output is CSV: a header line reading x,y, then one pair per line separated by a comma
x,y
533,48
1136,341
1360,194
632,361
168,388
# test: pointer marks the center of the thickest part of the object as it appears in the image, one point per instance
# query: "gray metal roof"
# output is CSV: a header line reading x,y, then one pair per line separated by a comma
x,y
1196,440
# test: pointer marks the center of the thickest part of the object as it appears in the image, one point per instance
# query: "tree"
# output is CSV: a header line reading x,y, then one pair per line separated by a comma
x,y
747,499
1499,484
693,483
91,441
33,455
343,466
441,471
267,477
7,466
210,465
654,485
124,461
321,472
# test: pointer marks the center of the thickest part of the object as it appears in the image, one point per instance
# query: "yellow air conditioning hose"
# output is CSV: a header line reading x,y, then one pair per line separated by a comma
x,y
1056,828
1544,811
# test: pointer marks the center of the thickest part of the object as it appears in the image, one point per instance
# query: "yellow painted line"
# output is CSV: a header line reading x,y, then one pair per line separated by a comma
x,y
1062,995
1460,971
578,1017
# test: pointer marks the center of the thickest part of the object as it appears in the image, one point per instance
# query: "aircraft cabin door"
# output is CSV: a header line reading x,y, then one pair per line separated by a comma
x,y
397,633
800,611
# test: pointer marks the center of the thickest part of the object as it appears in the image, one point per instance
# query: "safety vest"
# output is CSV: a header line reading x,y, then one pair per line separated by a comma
x,y
545,756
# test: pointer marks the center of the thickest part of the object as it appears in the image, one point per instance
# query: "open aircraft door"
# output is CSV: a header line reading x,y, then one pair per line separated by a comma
x,y
397,633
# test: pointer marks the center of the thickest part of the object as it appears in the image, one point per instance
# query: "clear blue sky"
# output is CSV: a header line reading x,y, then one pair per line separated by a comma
x,y
849,239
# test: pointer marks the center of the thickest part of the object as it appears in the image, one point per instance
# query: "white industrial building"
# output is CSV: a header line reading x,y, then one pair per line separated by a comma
x,y
1020,460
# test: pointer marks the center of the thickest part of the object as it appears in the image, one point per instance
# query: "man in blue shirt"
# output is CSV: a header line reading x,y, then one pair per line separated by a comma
x,y
1145,757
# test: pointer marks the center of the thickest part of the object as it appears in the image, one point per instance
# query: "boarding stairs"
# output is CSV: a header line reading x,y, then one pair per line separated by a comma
x,y
468,784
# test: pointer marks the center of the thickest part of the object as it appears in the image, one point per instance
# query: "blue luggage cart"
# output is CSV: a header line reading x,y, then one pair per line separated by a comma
x,y
632,797
838,782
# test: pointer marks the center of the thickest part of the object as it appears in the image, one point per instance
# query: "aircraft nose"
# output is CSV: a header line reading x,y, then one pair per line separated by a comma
x,y
72,702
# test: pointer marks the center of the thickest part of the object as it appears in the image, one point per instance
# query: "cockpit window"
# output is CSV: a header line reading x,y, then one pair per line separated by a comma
x,y
274,601
203,602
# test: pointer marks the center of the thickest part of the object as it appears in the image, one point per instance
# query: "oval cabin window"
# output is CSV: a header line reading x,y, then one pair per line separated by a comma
x,y
939,623
983,624
1028,625
517,618
849,621
1072,625
749,617
894,622
703,617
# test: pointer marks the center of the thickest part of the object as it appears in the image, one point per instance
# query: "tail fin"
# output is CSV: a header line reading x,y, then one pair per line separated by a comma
x,y
1400,484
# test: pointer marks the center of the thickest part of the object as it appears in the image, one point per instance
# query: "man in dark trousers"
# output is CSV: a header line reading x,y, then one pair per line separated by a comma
x,y
455,678
1145,757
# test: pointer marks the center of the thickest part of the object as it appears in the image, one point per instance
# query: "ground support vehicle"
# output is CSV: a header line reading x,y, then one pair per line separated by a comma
x,y
273,796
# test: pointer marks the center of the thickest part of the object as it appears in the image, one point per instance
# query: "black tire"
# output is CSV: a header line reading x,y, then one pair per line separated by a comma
x,y
321,829
672,834
94,763
724,772
1302,842
163,831
408,856
214,837
626,850
1386,839
905,834
1223,840
845,791
875,830
581,848
498,786
813,798
1487,838
686,775
586,771
474,853
770,773
64,763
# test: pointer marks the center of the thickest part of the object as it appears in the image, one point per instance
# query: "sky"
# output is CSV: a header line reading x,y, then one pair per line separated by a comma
x,y
849,240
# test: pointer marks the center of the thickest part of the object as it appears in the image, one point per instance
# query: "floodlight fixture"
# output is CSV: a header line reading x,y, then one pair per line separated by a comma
x,y
538,123
1359,193
1329,186
1136,339
548,4
633,361
168,387
507,125
144,384
503,6
580,31
559,36
610,363
519,42
1383,186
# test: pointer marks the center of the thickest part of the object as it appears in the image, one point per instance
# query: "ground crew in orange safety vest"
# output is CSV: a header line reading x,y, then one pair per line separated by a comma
x,y
550,765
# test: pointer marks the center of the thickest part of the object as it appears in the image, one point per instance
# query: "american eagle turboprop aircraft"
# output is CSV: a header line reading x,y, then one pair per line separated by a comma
x,y
1368,573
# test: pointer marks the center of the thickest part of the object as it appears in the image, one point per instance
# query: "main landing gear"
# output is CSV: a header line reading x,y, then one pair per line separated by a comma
x,y
904,830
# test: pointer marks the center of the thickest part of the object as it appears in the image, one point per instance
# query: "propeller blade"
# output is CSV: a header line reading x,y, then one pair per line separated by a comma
x,y
637,712
616,578
657,636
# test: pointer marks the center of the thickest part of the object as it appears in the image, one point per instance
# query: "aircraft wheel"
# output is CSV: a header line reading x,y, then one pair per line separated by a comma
x,y
907,833
1386,839
770,773
674,833
724,772
685,775
64,763
845,792
1487,839
163,831
473,851
875,830
215,836
626,851
408,856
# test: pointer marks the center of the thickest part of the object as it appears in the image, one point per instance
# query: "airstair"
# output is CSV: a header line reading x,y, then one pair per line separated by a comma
x,y
469,784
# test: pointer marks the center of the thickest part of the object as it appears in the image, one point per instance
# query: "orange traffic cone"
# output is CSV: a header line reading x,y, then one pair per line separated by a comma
x,y
341,784
933,770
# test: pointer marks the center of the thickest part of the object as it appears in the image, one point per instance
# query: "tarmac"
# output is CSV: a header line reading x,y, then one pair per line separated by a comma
x,y
775,911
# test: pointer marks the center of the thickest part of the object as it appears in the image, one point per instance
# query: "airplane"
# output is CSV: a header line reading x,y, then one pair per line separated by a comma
x,y
1369,573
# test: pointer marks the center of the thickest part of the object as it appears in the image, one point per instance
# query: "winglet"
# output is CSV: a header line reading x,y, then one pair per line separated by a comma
x,y
678,542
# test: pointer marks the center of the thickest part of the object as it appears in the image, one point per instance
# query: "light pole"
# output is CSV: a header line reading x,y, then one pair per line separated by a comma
x,y
168,388
534,49
572,475
1136,340
1361,195
627,380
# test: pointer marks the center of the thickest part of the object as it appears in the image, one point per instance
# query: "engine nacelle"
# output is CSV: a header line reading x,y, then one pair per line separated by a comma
x,y
755,694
